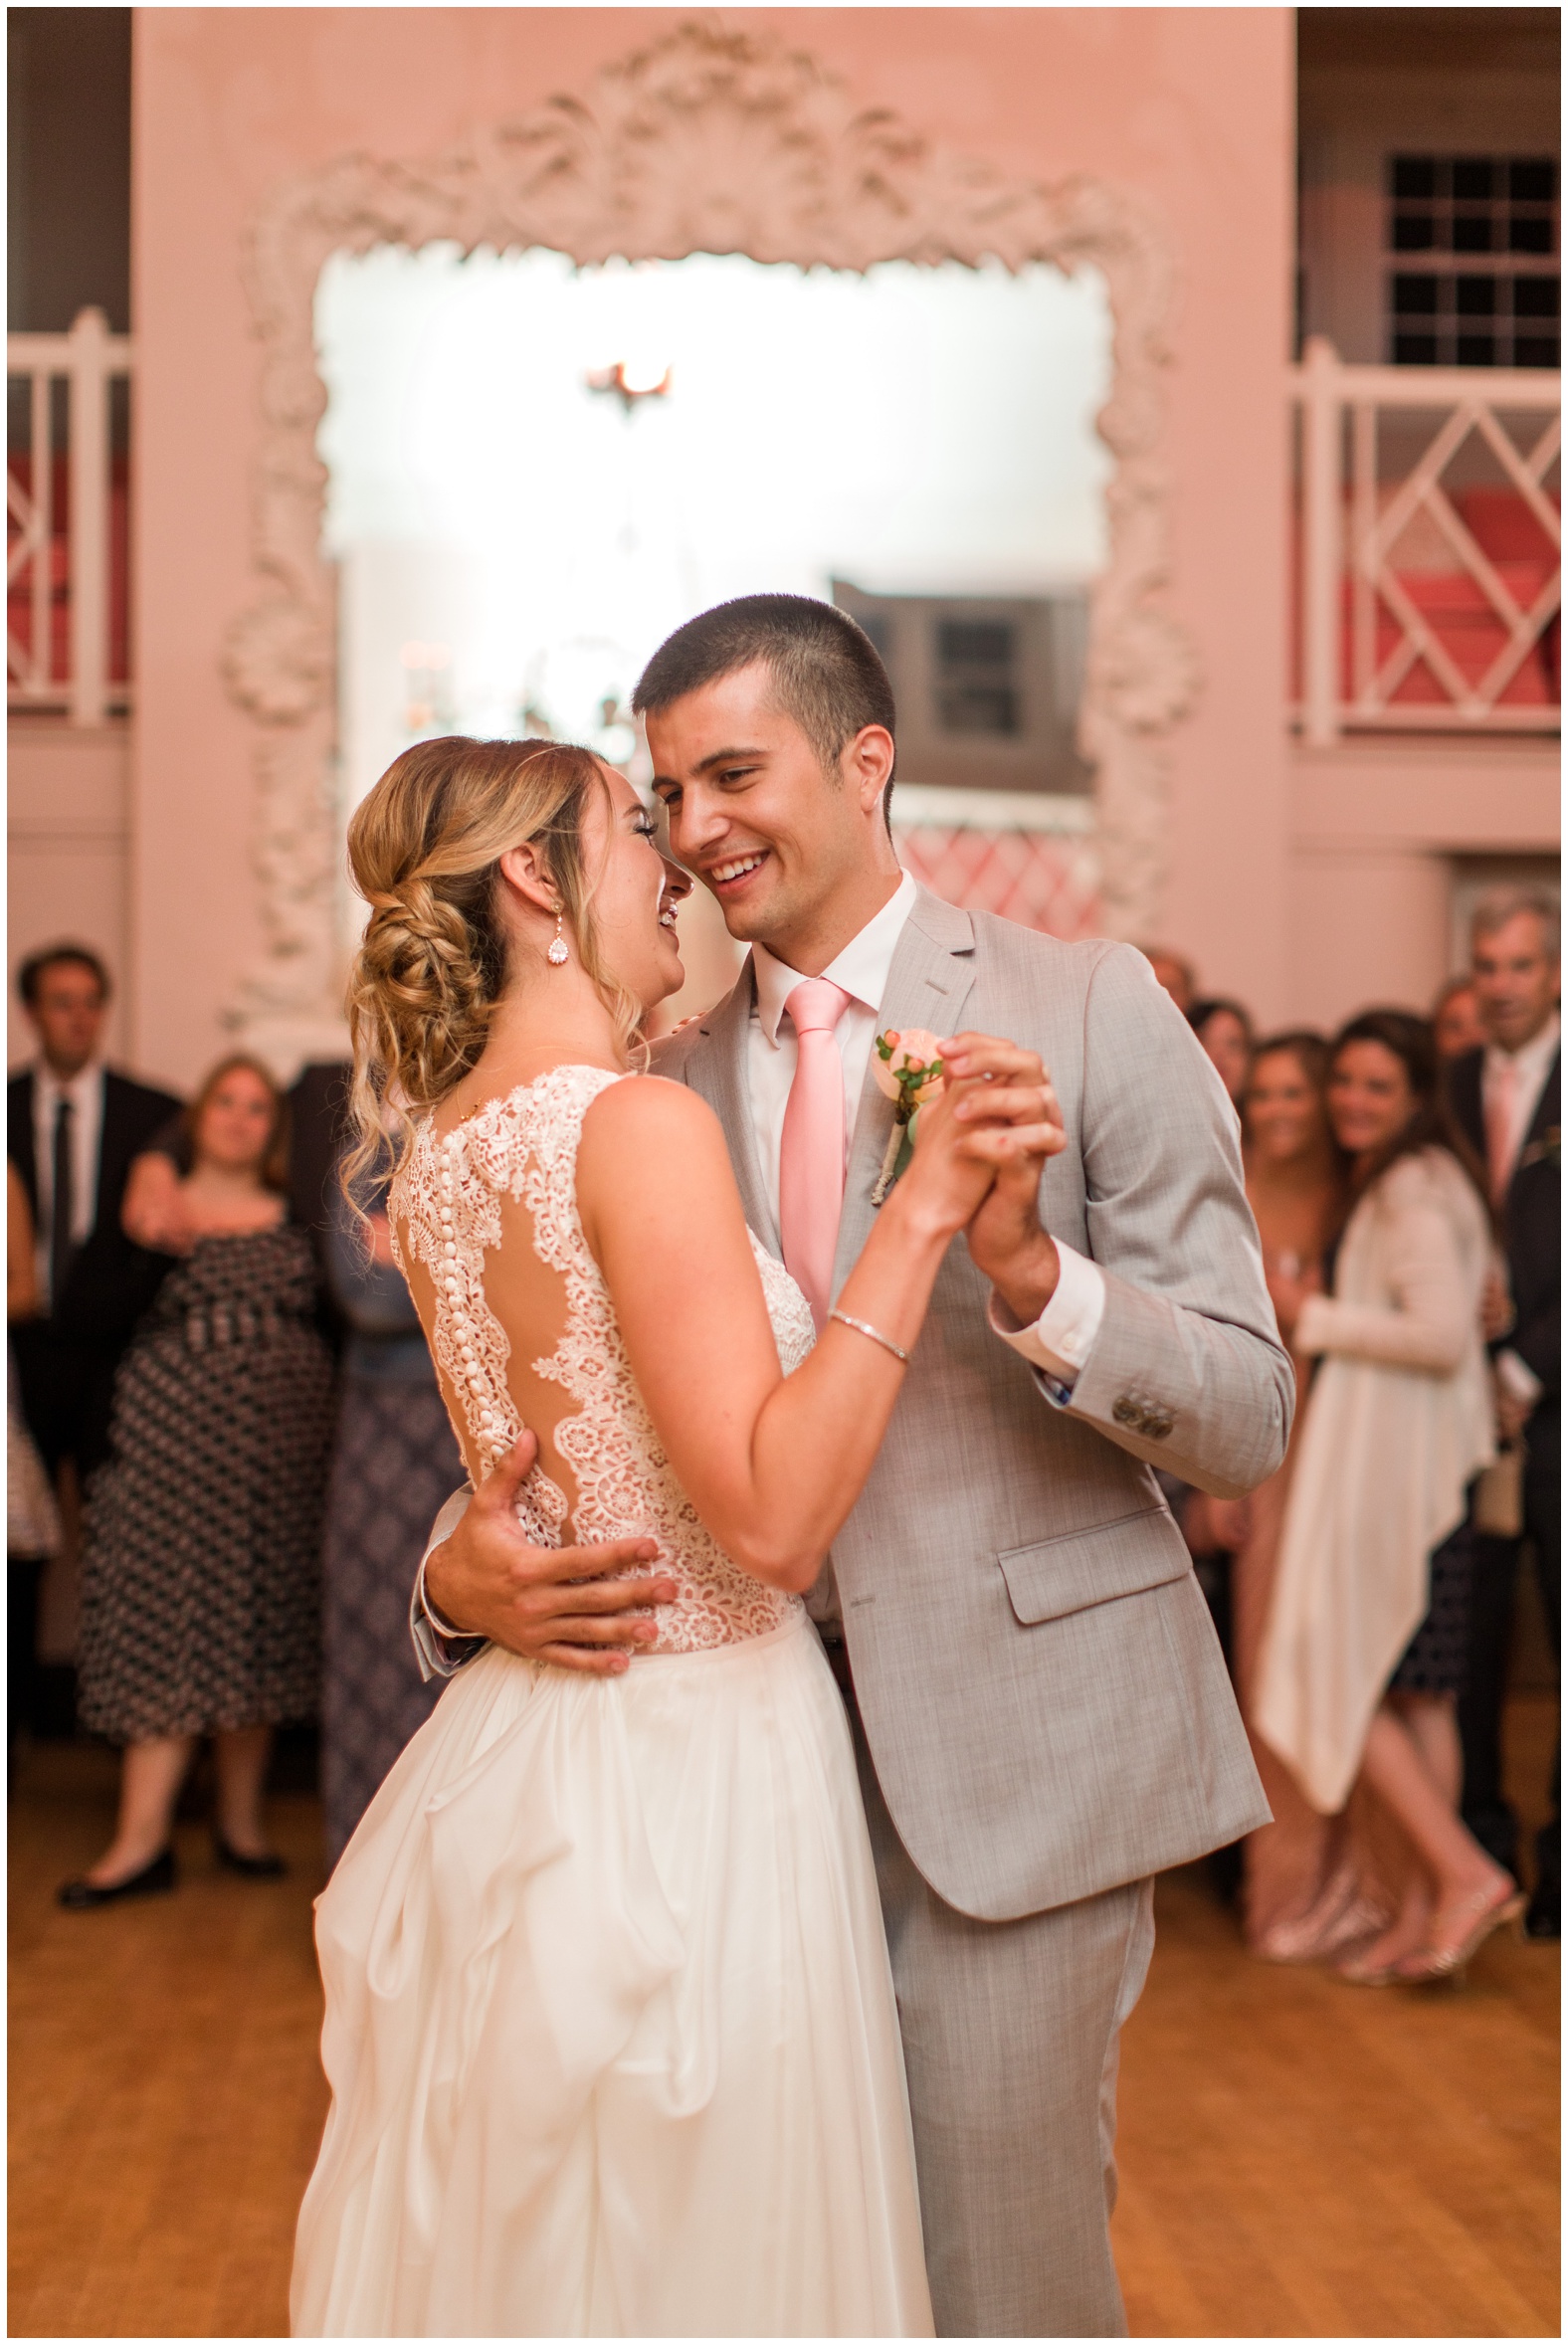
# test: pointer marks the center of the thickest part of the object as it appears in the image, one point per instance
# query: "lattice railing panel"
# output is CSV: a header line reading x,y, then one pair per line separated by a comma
x,y
1041,880
1429,567
68,555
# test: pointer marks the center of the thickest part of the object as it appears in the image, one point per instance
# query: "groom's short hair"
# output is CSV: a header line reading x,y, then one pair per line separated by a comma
x,y
826,672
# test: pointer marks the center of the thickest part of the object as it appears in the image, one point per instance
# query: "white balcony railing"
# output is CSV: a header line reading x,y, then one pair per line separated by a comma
x,y
1427,571
1427,563
67,504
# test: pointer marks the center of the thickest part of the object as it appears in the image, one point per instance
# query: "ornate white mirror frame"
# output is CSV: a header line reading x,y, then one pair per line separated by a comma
x,y
712,141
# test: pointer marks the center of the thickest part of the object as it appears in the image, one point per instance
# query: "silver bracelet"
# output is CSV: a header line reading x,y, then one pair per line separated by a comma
x,y
863,1327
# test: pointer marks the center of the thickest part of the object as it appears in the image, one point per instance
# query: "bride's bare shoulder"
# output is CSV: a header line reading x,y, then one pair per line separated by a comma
x,y
651,1116
653,1171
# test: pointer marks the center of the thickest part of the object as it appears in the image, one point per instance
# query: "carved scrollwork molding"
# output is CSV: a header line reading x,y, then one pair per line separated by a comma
x,y
720,140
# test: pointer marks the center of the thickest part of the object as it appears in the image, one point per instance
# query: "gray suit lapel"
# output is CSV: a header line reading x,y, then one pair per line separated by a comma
x,y
718,1069
928,984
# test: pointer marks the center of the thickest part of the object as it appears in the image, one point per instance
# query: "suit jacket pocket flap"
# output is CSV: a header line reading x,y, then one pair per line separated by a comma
x,y
1120,1558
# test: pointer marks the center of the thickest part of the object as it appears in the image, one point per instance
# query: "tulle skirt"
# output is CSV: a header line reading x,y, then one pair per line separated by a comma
x,y
610,2026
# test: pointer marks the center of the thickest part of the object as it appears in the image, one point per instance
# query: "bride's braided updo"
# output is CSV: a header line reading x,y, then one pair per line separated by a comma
x,y
424,849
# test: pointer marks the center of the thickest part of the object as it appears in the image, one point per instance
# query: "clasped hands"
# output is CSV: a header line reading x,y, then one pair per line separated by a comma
x,y
1006,1091
560,1604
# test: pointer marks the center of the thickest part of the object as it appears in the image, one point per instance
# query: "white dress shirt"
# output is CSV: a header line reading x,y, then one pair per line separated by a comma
x,y
1530,1065
772,1051
1058,1341
84,1092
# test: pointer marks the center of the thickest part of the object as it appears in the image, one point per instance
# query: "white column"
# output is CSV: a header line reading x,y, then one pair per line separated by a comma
x,y
90,499
1321,532
43,536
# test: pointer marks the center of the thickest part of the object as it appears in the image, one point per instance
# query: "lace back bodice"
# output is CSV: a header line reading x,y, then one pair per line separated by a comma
x,y
446,1206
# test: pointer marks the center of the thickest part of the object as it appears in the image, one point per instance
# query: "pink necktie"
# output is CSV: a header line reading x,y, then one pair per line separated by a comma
x,y
811,1154
1501,1094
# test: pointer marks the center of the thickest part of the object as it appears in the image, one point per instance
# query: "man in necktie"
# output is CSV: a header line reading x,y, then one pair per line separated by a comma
x,y
74,1127
1501,1094
1507,1098
1011,1570
62,1201
811,1153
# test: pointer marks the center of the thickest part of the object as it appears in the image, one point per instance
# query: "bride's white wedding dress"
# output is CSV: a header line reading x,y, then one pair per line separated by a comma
x,y
610,2026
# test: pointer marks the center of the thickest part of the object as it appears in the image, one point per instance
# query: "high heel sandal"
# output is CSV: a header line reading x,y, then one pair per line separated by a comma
x,y
1451,1962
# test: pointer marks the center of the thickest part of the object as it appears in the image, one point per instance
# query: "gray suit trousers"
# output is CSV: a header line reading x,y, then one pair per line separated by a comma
x,y
1011,2034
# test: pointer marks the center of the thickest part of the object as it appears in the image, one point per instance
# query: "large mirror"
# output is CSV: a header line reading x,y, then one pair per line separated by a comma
x,y
538,469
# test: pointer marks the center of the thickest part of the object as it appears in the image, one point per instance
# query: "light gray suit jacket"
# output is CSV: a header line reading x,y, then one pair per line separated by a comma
x,y
1043,1697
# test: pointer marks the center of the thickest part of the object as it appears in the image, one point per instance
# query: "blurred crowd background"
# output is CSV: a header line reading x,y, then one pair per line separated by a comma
x,y
225,1429
1405,1175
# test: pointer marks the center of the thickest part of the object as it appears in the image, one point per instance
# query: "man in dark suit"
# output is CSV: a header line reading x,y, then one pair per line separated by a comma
x,y
318,1132
74,1127
1507,1096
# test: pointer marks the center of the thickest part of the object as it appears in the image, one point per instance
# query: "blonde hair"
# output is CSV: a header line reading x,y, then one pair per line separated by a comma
x,y
425,849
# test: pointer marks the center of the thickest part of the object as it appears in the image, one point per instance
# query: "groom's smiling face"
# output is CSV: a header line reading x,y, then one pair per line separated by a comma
x,y
796,857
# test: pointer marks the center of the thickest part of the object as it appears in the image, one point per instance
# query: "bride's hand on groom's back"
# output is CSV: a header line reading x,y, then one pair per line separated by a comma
x,y
544,1603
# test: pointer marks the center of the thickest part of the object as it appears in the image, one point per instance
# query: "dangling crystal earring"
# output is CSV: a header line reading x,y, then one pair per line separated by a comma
x,y
558,956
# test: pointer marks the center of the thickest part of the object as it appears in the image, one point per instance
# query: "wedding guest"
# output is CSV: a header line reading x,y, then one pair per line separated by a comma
x,y
1456,1020
32,1519
394,1464
1308,1885
1295,1170
200,1608
1226,1033
73,1127
317,1105
1364,1648
1507,1099
317,1136
1173,972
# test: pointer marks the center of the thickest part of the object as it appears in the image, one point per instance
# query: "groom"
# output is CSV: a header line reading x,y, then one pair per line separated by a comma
x,y
1041,1712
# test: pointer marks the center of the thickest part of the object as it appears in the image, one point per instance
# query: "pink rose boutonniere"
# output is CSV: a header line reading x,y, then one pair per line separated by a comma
x,y
908,1068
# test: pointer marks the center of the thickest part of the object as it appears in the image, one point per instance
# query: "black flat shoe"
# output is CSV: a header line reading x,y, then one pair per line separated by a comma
x,y
153,1880
1544,1919
254,1869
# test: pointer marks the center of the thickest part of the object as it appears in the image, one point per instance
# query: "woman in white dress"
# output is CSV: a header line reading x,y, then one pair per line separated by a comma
x,y
610,2026
1365,1649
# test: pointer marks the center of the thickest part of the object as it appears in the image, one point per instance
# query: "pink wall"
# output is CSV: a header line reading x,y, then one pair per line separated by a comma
x,y
1381,832
1189,108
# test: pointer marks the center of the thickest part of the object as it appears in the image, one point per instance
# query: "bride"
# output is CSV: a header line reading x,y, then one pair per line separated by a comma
x,y
610,2026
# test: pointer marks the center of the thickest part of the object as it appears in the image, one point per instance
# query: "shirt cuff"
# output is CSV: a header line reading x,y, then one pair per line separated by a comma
x,y
440,1648
1519,1379
1059,1341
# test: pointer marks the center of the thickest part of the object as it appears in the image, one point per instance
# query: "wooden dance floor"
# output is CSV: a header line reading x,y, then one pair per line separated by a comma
x,y
1299,2157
